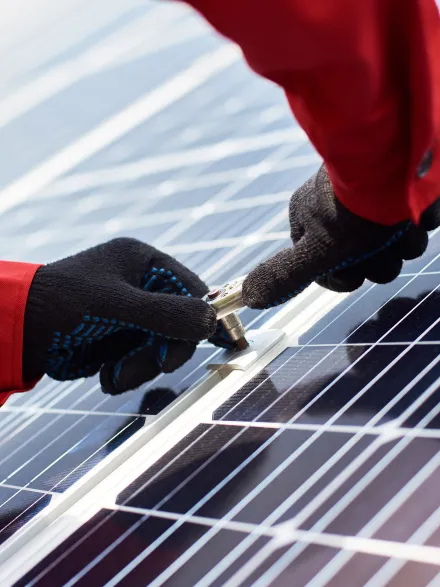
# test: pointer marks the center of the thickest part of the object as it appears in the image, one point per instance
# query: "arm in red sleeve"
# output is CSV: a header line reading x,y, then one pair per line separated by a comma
x,y
15,281
363,80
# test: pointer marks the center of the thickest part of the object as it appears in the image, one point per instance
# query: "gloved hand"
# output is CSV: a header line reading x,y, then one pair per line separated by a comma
x,y
334,247
122,308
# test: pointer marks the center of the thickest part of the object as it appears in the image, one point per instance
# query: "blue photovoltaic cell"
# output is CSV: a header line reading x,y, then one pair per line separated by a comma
x,y
18,507
49,452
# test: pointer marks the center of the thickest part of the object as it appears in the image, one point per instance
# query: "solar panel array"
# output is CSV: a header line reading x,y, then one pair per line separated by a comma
x,y
323,468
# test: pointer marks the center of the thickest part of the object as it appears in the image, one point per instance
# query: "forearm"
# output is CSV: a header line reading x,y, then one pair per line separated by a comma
x,y
363,79
15,281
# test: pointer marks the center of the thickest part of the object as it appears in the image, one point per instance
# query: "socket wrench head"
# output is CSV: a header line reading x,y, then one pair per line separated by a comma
x,y
226,301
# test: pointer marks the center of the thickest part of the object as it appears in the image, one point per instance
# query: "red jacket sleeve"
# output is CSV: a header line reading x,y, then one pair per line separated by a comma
x,y
15,281
363,80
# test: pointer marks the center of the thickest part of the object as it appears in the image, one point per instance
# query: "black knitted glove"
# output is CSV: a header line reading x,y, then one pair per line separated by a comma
x,y
122,308
334,247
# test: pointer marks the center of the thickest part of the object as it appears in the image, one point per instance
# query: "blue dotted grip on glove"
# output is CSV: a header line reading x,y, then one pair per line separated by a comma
x,y
94,329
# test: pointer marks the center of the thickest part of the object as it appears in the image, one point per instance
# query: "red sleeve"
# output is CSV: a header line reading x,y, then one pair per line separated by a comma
x,y
363,80
15,281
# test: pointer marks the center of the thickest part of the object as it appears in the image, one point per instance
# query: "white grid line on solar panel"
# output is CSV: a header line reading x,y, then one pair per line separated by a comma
x,y
69,411
145,35
404,274
367,344
117,126
245,145
256,490
385,431
28,489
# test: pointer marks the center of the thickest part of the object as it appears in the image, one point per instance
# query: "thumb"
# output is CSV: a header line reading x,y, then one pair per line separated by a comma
x,y
173,316
284,275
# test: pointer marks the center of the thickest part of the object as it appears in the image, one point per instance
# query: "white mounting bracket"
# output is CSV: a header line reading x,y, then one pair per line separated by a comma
x,y
260,341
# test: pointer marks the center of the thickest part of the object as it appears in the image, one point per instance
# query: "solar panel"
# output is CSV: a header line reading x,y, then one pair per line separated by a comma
x,y
318,466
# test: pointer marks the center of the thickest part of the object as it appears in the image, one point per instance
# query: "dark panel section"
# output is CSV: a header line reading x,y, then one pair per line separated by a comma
x,y
414,574
434,539
371,497
50,452
375,397
214,472
193,468
169,465
369,313
362,567
308,561
266,387
250,547
93,556
17,508
299,565
312,384
90,541
201,549
415,510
